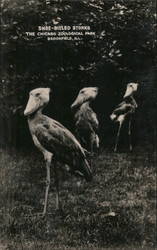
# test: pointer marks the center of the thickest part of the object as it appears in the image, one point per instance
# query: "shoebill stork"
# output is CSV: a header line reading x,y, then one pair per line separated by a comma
x,y
86,122
56,142
124,111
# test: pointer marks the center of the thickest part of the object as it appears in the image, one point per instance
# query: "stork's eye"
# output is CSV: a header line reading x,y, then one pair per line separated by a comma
x,y
37,94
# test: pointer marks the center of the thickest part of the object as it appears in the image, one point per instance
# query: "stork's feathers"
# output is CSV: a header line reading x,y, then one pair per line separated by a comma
x,y
123,109
86,120
55,138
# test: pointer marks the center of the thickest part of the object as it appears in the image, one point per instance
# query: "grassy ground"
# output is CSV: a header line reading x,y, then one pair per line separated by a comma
x,y
116,210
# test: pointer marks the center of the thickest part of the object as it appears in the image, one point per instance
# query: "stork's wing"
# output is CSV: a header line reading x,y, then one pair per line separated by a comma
x,y
122,109
121,104
86,120
57,139
61,142
92,119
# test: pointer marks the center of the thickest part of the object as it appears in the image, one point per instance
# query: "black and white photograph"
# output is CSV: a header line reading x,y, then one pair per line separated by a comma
x,y
78,127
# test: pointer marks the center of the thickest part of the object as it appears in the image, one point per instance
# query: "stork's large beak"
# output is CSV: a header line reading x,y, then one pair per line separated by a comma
x,y
131,89
129,92
32,106
79,100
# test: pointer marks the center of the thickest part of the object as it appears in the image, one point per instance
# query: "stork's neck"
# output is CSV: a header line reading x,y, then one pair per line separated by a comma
x,y
85,106
132,101
36,114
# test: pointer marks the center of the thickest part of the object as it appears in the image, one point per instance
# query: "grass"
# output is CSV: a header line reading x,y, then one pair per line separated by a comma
x,y
115,211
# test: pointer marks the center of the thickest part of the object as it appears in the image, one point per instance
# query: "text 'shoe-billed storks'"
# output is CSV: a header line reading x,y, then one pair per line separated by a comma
x,y
56,142
125,110
86,122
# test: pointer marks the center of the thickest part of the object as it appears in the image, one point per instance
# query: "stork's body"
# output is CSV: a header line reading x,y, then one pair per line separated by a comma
x,y
124,111
55,141
86,122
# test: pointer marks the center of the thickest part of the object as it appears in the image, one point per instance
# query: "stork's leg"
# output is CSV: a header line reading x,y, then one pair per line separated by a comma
x,y
97,142
48,159
57,187
117,137
92,141
47,186
129,133
91,146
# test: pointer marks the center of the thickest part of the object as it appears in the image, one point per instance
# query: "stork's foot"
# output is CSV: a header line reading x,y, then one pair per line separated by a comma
x,y
59,210
58,205
41,215
35,215
115,150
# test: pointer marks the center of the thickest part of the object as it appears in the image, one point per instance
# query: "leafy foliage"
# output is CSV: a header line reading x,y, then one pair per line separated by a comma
x,y
125,33
123,46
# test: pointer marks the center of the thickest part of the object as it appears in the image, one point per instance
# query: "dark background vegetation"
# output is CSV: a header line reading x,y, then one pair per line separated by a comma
x,y
122,51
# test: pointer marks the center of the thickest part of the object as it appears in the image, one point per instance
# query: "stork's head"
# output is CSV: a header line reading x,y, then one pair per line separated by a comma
x,y
85,95
38,98
131,89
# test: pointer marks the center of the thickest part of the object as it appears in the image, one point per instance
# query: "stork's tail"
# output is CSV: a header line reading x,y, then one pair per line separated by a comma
x,y
86,170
